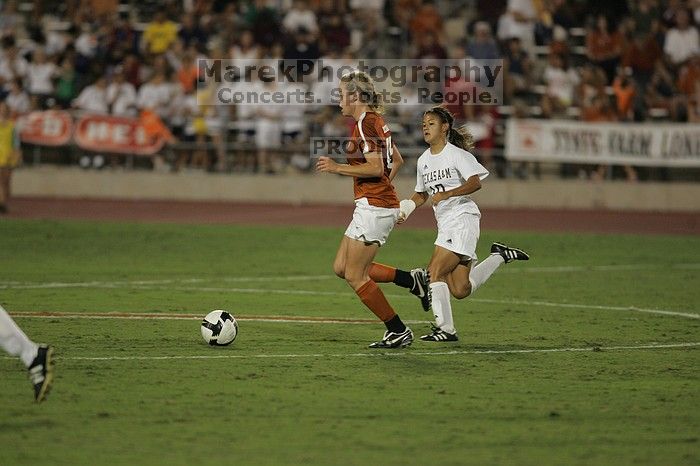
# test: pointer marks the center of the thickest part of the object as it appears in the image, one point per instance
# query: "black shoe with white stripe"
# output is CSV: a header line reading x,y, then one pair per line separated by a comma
x,y
394,340
41,372
509,254
421,287
439,334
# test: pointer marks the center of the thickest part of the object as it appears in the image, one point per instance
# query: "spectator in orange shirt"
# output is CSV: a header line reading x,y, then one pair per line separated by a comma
x,y
429,47
559,44
641,55
188,72
155,128
689,86
427,20
604,46
600,110
689,75
624,90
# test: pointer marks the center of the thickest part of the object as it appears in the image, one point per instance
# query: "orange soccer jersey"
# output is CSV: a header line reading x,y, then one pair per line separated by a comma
x,y
371,134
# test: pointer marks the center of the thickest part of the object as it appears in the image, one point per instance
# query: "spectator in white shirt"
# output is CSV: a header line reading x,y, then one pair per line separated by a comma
x,y
519,21
246,51
245,112
93,99
17,100
682,42
86,43
293,122
40,76
300,16
121,96
12,64
56,42
156,94
561,83
268,128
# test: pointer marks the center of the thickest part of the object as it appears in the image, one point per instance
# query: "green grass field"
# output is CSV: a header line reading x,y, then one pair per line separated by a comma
x,y
617,387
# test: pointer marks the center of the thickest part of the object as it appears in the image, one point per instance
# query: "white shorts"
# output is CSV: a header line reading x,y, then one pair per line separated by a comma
x,y
459,235
371,224
268,134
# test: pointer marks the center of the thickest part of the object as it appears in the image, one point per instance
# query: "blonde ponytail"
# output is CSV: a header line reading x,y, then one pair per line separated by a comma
x,y
361,83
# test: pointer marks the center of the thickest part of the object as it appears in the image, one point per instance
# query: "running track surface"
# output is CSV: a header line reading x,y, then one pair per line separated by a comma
x,y
593,221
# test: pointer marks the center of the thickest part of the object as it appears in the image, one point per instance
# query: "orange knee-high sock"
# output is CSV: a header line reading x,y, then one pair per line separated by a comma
x,y
374,299
381,273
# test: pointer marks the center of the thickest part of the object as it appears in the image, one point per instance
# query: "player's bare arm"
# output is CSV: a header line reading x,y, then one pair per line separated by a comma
x,y
472,185
374,167
397,162
419,198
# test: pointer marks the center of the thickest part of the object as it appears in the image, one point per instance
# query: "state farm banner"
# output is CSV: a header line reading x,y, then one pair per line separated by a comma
x,y
664,144
50,128
98,133
104,133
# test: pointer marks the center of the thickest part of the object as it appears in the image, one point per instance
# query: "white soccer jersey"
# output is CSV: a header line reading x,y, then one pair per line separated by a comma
x,y
446,171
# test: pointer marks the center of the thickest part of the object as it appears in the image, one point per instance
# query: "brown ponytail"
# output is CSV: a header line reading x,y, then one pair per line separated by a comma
x,y
460,137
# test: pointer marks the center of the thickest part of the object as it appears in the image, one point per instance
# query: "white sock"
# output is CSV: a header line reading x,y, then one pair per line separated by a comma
x,y
484,270
14,341
441,306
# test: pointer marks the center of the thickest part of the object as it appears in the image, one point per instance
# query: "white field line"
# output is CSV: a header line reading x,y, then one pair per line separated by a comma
x,y
688,315
405,353
517,270
596,268
125,284
171,285
666,312
143,316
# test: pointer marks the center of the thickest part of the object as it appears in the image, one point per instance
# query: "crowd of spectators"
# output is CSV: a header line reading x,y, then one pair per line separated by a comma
x,y
597,60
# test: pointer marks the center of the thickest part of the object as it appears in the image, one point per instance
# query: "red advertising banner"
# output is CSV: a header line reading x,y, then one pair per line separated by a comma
x,y
50,128
104,133
98,133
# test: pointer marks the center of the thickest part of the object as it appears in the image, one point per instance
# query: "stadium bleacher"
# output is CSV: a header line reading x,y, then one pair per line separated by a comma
x,y
89,42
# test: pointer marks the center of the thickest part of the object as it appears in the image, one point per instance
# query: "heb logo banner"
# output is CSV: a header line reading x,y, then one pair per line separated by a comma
x,y
98,133
102,133
50,128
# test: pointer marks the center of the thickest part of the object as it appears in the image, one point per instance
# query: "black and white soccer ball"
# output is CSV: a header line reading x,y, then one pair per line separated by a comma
x,y
219,328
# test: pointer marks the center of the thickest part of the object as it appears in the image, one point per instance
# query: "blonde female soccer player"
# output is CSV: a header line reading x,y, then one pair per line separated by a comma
x,y
449,173
372,165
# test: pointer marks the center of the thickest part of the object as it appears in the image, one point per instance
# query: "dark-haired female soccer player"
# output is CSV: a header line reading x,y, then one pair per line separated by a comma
x,y
449,173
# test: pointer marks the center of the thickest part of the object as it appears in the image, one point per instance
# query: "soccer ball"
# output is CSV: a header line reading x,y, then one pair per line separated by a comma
x,y
219,328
